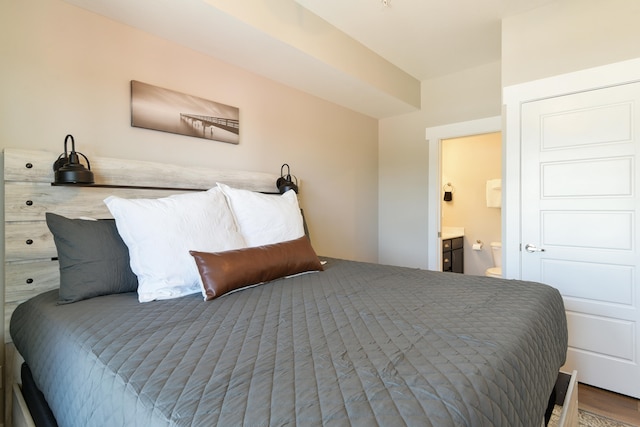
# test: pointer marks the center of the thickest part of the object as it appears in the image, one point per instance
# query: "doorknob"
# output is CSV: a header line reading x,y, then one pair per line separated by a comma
x,y
533,248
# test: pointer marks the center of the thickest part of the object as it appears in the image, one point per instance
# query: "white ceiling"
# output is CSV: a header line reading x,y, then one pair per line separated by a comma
x,y
422,38
425,38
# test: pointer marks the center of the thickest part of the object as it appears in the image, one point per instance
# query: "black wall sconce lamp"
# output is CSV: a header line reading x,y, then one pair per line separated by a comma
x,y
285,183
68,169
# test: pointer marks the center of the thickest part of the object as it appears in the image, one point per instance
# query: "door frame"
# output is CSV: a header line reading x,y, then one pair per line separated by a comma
x,y
434,136
513,98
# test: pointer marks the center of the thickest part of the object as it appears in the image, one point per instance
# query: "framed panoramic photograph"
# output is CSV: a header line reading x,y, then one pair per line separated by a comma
x,y
166,110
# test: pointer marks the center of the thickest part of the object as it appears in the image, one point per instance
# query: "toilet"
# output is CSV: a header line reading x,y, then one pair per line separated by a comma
x,y
496,254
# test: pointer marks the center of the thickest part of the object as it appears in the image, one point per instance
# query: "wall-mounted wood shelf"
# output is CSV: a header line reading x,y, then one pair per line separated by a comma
x,y
140,187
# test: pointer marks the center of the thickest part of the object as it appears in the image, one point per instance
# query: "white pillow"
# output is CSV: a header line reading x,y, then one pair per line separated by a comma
x,y
160,233
264,219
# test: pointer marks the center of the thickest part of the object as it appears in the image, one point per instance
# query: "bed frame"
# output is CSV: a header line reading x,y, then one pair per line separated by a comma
x,y
30,263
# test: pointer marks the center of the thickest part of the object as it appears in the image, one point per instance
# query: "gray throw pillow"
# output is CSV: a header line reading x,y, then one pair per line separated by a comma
x,y
93,258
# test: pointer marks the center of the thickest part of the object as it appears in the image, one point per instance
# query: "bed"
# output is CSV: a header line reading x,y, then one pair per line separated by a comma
x,y
350,343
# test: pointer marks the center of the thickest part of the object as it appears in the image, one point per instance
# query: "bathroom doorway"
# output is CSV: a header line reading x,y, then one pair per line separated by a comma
x,y
471,195
434,136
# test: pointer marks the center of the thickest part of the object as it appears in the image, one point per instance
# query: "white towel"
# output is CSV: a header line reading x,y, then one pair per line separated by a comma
x,y
494,193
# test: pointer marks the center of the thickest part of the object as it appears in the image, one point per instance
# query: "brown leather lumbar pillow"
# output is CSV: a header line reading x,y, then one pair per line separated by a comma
x,y
223,272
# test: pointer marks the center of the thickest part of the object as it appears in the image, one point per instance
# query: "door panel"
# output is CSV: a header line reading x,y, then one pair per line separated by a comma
x,y
615,340
576,178
580,204
583,125
593,230
569,278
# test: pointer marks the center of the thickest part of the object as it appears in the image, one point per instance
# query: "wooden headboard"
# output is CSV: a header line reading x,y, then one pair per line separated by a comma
x,y
29,251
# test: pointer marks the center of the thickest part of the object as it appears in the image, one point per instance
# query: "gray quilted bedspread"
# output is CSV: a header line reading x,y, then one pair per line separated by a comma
x,y
358,344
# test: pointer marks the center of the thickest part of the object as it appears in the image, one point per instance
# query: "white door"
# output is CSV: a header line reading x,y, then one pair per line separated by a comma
x,y
580,224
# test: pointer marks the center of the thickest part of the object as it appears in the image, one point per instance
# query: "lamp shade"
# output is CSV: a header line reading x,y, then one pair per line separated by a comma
x,y
68,169
285,182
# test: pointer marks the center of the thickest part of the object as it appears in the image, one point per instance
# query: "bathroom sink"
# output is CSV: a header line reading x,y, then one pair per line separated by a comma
x,y
452,232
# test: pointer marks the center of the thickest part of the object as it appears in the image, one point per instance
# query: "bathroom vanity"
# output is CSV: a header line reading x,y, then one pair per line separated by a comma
x,y
453,249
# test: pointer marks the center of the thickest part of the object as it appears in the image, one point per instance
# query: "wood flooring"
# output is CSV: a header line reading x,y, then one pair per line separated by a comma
x,y
609,404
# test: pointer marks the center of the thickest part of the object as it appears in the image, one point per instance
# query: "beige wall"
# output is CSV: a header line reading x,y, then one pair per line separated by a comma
x,y
66,70
468,163
569,35
404,157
